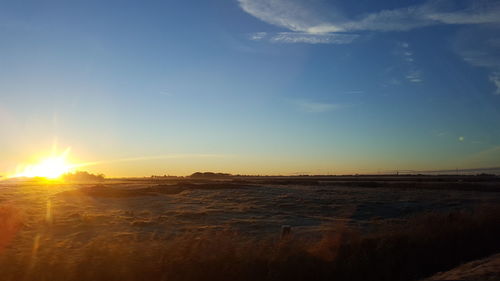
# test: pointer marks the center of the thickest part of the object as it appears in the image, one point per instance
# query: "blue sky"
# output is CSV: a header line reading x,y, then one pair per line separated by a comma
x,y
251,86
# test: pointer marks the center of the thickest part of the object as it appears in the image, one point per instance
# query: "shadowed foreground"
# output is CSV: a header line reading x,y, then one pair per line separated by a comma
x,y
416,249
481,270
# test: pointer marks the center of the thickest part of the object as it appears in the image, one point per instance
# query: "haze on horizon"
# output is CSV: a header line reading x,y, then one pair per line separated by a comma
x,y
251,86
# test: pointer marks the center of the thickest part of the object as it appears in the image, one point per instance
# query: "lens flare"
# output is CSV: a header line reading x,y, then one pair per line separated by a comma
x,y
51,167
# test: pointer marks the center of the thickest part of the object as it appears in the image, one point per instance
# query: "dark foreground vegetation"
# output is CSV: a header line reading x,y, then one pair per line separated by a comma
x,y
412,250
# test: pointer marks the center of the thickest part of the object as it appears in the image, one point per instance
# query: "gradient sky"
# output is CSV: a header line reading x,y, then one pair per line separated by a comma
x,y
251,86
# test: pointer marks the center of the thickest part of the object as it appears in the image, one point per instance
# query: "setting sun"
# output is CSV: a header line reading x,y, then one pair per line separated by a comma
x,y
50,167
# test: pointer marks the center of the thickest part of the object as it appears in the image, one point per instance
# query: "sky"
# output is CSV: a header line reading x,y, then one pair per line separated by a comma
x,y
285,87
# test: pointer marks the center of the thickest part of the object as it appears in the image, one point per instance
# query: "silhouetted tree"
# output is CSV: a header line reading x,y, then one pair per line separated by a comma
x,y
83,176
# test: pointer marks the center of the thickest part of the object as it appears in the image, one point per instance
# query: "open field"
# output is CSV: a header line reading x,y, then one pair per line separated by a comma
x,y
383,228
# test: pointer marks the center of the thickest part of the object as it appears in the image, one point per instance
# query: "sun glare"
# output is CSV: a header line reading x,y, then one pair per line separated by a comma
x,y
51,167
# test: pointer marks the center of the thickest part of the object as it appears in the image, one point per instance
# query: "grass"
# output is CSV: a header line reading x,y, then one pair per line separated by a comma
x,y
412,250
10,223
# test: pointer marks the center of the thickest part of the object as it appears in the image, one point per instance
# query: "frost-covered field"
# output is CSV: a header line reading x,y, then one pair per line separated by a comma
x,y
60,215
41,219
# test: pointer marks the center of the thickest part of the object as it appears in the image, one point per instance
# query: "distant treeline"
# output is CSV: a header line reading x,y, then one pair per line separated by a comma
x,y
400,176
209,175
83,176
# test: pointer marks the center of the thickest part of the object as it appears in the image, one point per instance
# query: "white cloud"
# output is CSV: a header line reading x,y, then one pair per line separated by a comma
x,y
404,45
290,14
297,17
480,12
315,107
403,49
479,58
430,13
306,18
495,79
391,20
414,76
258,36
300,37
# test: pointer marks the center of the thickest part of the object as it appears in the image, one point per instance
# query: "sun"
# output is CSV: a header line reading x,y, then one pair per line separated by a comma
x,y
51,167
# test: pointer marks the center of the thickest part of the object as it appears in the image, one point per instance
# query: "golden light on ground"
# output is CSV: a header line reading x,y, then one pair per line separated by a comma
x,y
50,167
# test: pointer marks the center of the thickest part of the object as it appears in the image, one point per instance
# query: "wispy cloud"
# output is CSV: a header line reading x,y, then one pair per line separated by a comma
x,y
303,22
315,107
487,157
157,157
480,12
442,133
354,92
301,37
433,12
305,18
258,36
479,48
407,70
294,15
413,75
166,93
495,79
